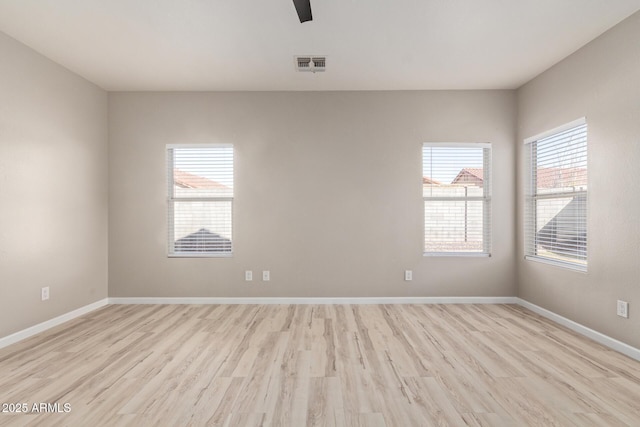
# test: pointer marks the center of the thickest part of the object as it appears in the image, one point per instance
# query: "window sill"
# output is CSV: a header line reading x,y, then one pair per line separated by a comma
x,y
196,255
457,254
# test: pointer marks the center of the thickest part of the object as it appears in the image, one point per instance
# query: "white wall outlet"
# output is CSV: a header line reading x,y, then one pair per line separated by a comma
x,y
623,309
408,275
266,276
248,275
44,293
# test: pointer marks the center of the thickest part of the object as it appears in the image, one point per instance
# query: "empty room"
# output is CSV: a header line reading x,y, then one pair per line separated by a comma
x,y
331,213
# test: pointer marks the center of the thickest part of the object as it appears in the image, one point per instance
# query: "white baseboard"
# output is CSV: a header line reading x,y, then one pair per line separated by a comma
x,y
603,339
574,326
320,300
41,327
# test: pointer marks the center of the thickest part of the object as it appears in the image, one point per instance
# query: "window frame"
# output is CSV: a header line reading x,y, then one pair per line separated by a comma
x,y
171,199
485,199
532,197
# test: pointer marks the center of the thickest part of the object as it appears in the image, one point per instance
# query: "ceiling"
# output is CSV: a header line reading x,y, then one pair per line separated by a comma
x,y
224,45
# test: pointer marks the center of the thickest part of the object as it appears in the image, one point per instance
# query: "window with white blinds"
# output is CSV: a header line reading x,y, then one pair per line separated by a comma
x,y
456,188
556,203
200,200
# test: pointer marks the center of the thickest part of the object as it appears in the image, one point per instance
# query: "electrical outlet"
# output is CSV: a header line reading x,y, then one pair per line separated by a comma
x,y
266,276
623,309
248,275
44,293
408,275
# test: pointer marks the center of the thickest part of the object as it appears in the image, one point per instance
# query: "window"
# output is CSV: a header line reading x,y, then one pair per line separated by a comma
x,y
556,204
457,198
200,201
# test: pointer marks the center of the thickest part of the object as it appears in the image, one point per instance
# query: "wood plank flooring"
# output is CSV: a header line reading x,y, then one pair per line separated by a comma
x,y
325,365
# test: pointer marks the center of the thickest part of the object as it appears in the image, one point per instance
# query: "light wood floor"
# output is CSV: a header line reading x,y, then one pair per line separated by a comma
x,y
299,365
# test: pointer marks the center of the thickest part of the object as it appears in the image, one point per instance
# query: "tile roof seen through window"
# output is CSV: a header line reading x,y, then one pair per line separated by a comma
x,y
561,177
473,176
188,180
429,181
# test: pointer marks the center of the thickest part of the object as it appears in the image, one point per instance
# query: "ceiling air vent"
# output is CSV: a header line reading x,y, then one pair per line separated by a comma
x,y
319,62
304,63
311,63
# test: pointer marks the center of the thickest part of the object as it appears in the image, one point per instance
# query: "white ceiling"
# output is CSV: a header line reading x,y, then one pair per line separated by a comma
x,y
124,45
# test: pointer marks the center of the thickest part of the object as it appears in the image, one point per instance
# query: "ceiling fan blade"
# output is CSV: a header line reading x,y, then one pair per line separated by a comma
x,y
303,7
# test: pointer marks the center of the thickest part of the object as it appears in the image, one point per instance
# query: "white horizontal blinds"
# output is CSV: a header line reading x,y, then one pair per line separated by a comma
x,y
556,209
457,198
200,200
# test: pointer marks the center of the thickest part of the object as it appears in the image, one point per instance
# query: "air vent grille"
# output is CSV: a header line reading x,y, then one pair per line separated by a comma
x,y
311,63
319,62
304,62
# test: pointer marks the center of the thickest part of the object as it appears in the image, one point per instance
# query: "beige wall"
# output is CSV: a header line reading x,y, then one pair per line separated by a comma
x,y
53,189
328,192
602,83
